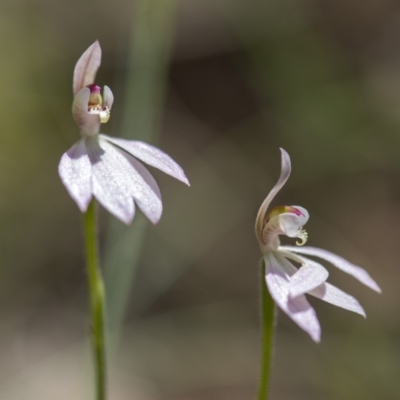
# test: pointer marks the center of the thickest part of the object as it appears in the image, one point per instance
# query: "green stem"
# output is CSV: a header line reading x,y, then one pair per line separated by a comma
x,y
267,340
96,290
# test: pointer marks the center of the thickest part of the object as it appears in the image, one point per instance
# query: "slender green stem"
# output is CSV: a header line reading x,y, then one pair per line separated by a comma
x,y
96,290
267,332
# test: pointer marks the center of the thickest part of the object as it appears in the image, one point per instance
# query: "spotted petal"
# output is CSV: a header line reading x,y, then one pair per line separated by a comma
x,y
86,68
339,262
285,173
75,170
298,308
150,155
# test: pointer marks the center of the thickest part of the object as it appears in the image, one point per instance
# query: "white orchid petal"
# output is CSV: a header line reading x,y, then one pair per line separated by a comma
x,y
339,262
138,181
144,188
89,124
306,278
285,173
152,156
108,97
75,171
298,308
86,68
337,297
110,180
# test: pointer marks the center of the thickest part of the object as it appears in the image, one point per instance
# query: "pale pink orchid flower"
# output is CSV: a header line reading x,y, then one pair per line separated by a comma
x,y
105,167
287,283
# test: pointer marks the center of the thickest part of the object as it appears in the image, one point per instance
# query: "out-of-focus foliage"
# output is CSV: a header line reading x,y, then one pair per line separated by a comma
x,y
219,85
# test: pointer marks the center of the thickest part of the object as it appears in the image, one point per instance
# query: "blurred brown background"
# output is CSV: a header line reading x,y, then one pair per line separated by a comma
x,y
220,85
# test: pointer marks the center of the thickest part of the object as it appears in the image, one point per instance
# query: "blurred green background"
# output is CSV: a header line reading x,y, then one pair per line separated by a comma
x,y
219,85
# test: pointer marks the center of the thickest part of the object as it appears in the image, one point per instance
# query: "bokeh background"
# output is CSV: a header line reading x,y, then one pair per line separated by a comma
x,y
220,85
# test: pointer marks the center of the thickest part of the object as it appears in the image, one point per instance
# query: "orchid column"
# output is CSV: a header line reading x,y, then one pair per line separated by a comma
x,y
108,170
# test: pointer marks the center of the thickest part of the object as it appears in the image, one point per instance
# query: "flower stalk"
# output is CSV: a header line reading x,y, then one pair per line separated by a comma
x,y
97,300
267,336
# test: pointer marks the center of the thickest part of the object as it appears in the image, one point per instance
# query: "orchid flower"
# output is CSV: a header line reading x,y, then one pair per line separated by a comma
x,y
105,167
287,283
